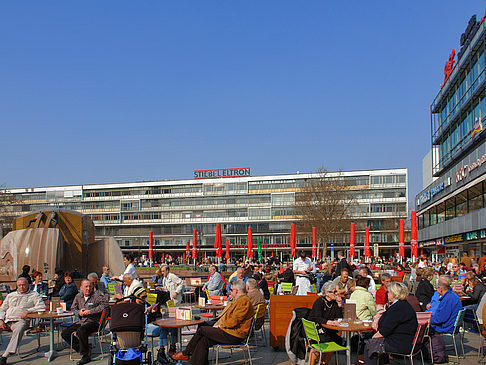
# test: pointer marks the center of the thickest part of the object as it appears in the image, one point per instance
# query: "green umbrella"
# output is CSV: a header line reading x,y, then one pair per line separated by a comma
x,y
260,253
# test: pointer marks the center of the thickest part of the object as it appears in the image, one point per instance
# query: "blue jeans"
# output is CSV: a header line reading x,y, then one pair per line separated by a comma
x,y
154,330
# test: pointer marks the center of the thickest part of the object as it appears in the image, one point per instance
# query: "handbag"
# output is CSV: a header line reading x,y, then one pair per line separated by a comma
x,y
128,357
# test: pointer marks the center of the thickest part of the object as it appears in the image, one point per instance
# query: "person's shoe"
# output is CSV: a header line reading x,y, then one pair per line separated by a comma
x,y
3,360
172,349
180,356
84,360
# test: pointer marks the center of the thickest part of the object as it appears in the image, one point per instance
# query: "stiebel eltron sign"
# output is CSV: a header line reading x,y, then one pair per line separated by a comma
x,y
218,173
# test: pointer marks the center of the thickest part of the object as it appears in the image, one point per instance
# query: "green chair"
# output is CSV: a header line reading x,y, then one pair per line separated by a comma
x,y
111,289
286,287
312,341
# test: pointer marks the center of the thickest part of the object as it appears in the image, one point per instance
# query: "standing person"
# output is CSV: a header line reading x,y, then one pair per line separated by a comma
x,y
302,267
88,305
130,268
215,282
342,263
13,314
68,290
172,284
25,273
425,290
231,328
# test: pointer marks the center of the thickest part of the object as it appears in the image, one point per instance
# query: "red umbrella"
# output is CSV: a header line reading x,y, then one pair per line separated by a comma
x,y
227,256
249,252
217,241
194,244
367,251
151,246
413,235
293,241
352,241
184,258
314,242
401,239
188,250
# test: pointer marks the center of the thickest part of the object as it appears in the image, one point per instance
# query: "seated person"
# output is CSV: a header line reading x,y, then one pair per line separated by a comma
x,y
154,330
256,297
412,299
106,277
448,305
341,282
425,290
98,285
263,285
38,285
69,290
381,296
395,328
365,304
231,328
157,277
133,287
171,284
326,309
88,305
215,282
13,314
240,275
476,290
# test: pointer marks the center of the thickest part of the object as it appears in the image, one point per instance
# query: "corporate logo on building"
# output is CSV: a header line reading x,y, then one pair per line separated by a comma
x,y
478,127
429,194
464,171
219,173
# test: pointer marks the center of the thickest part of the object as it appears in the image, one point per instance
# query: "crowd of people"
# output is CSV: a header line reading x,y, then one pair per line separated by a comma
x,y
423,286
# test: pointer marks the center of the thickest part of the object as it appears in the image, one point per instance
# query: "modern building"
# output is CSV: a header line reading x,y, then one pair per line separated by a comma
x,y
451,210
231,197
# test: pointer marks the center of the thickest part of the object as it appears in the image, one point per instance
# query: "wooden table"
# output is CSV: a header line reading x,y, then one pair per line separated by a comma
x,y
281,307
211,307
352,327
51,316
177,323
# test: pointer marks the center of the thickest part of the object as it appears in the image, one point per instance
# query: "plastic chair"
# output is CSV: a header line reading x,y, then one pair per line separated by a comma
x,y
457,326
101,333
170,303
313,342
242,346
416,345
260,313
151,298
286,288
111,288
424,318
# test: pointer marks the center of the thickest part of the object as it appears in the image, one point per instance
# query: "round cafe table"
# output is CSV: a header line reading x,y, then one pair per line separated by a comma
x,y
51,316
211,307
352,327
177,323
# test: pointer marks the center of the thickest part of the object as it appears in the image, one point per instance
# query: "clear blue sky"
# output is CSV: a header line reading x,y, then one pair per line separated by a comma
x,y
114,91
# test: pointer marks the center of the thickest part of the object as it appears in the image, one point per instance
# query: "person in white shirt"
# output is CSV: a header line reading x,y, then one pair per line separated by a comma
x,y
130,269
172,284
132,287
302,266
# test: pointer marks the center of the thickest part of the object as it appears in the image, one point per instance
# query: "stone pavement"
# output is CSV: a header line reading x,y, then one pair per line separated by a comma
x,y
263,355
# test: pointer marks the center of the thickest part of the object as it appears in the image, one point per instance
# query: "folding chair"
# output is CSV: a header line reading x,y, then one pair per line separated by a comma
x,y
101,333
312,341
260,313
424,319
242,346
286,288
417,344
457,333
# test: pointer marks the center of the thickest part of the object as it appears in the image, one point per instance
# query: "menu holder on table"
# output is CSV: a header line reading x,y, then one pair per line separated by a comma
x,y
55,303
350,310
184,313
202,301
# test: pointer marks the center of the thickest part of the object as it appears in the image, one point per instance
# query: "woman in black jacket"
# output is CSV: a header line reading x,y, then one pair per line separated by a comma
x,y
476,291
425,290
396,327
325,309
69,290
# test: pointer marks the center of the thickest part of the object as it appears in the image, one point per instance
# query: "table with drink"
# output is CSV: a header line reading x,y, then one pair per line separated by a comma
x,y
211,305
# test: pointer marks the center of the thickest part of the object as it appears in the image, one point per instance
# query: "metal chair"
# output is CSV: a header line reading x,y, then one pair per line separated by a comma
x,y
242,346
101,333
417,344
312,341
457,333
260,313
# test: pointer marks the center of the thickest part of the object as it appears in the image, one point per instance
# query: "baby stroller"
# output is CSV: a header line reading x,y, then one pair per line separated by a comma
x,y
128,328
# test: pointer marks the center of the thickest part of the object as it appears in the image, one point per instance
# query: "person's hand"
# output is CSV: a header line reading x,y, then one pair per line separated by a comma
x,y
309,268
3,325
428,306
118,296
174,295
377,335
216,326
23,315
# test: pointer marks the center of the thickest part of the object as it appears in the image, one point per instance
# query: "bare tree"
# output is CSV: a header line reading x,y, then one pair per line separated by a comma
x,y
7,200
324,203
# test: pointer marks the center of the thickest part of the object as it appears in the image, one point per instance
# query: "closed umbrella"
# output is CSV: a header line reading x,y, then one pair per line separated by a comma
x,y
293,241
401,239
259,245
217,242
367,251
227,256
413,235
151,247
352,241
194,245
314,242
249,252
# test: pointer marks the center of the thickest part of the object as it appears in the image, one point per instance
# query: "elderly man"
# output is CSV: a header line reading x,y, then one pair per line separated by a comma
x,y
88,305
381,297
171,284
214,283
240,275
133,287
341,282
13,314
448,305
98,285
231,328
256,297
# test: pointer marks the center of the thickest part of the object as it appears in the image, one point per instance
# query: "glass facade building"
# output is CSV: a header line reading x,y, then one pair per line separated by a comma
x,y
173,209
451,214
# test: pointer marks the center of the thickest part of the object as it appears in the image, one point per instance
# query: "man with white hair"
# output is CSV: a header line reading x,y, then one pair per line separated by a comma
x,y
97,284
214,283
172,284
133,287
13,314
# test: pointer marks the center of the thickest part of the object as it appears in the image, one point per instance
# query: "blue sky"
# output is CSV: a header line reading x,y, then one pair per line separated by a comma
x,y
114,91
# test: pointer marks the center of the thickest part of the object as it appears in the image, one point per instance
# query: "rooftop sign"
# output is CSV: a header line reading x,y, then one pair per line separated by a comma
x,y
219,173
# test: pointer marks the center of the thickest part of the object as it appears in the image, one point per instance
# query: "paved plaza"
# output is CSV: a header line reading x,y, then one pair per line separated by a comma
x,y
260,355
